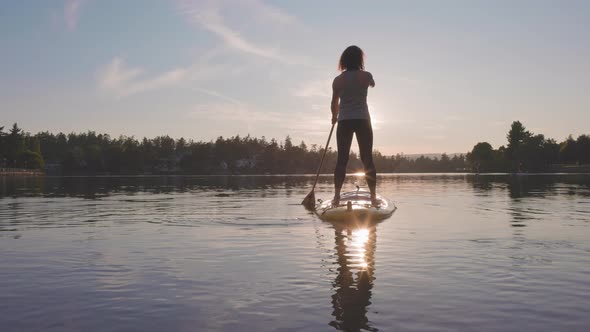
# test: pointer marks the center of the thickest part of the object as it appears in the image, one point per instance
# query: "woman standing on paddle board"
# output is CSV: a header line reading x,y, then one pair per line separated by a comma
x,y
350,110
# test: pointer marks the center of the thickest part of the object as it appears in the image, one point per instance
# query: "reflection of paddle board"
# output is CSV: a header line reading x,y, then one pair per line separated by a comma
x,y
355,206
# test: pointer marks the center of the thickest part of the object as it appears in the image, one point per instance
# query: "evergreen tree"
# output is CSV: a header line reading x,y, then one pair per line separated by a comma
x,y
516,137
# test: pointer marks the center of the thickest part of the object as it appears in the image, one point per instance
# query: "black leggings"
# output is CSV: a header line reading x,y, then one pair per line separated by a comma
x,y
364,137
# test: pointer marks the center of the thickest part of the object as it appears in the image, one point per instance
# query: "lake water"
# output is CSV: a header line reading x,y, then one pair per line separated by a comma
x,y
461,253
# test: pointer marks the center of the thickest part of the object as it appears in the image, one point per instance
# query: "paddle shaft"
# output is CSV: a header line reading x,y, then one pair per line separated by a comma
x,y
323,157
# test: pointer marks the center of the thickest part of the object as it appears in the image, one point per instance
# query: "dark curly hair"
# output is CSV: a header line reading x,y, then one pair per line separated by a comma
x,y
353,58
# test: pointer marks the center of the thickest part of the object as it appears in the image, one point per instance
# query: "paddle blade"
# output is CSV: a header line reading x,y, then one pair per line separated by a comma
x,y
309,201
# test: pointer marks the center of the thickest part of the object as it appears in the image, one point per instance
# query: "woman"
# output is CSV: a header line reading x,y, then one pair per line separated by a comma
x,y
350,110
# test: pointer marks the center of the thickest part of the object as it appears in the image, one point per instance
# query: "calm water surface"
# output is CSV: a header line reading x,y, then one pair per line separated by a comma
x,y
461,253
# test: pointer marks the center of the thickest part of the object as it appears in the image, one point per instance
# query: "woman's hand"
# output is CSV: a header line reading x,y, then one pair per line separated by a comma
x,y
334,118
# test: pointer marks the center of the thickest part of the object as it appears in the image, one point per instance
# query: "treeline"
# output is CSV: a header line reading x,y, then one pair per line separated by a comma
x,y
19,149
92,153
529,152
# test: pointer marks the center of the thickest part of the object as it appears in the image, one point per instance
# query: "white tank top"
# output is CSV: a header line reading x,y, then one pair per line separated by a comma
x,y
353,97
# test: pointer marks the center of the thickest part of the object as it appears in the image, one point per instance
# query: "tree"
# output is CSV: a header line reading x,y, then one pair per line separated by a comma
x,y
583,153
32,160
90,152
568,150
531,152
36,145
516,137
288,143
94,158
445,163
15,142
550,152
303,146
481,157
2,145
180,145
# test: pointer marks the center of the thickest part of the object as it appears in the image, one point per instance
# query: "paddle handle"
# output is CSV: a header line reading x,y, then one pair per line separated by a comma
x,y
323,157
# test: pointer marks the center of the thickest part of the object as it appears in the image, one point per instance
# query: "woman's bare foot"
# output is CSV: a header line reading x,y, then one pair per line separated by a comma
x,y
336,200
374,201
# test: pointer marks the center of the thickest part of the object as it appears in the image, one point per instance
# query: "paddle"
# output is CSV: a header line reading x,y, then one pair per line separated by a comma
x,y
309,200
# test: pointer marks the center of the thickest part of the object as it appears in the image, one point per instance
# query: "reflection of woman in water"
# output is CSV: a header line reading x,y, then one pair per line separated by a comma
x,y
350,110
355,250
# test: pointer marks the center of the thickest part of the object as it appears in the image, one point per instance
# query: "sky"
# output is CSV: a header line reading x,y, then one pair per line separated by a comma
x,y
448,74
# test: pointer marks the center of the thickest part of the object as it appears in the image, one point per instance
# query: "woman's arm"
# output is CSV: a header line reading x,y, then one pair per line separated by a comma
x,y
334,106
371,80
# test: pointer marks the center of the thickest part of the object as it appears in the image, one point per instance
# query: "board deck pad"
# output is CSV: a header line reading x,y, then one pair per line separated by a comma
x,y
356,206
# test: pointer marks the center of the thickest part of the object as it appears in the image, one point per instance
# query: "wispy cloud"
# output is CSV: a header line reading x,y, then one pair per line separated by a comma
x,y
123,81
208,16
241,116
271,12
120,79
231,111
218,95
72,13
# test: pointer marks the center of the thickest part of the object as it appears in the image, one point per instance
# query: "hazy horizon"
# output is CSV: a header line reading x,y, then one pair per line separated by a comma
x,y
447,75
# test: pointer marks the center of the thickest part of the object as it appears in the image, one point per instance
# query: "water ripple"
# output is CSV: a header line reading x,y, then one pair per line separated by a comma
x,y
492,253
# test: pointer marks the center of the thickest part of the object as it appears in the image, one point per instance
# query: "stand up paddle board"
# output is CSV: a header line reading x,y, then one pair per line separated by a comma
x,y
355,206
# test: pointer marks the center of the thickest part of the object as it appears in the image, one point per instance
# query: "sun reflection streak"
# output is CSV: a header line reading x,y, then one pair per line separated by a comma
x,y
356,247
353,283
358,243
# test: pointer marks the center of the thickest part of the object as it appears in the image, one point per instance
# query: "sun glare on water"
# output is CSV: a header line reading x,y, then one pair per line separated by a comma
x,y
357,247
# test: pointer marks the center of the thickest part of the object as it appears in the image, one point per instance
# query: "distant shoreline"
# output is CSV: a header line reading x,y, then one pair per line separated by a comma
x,y
36,174
20,172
